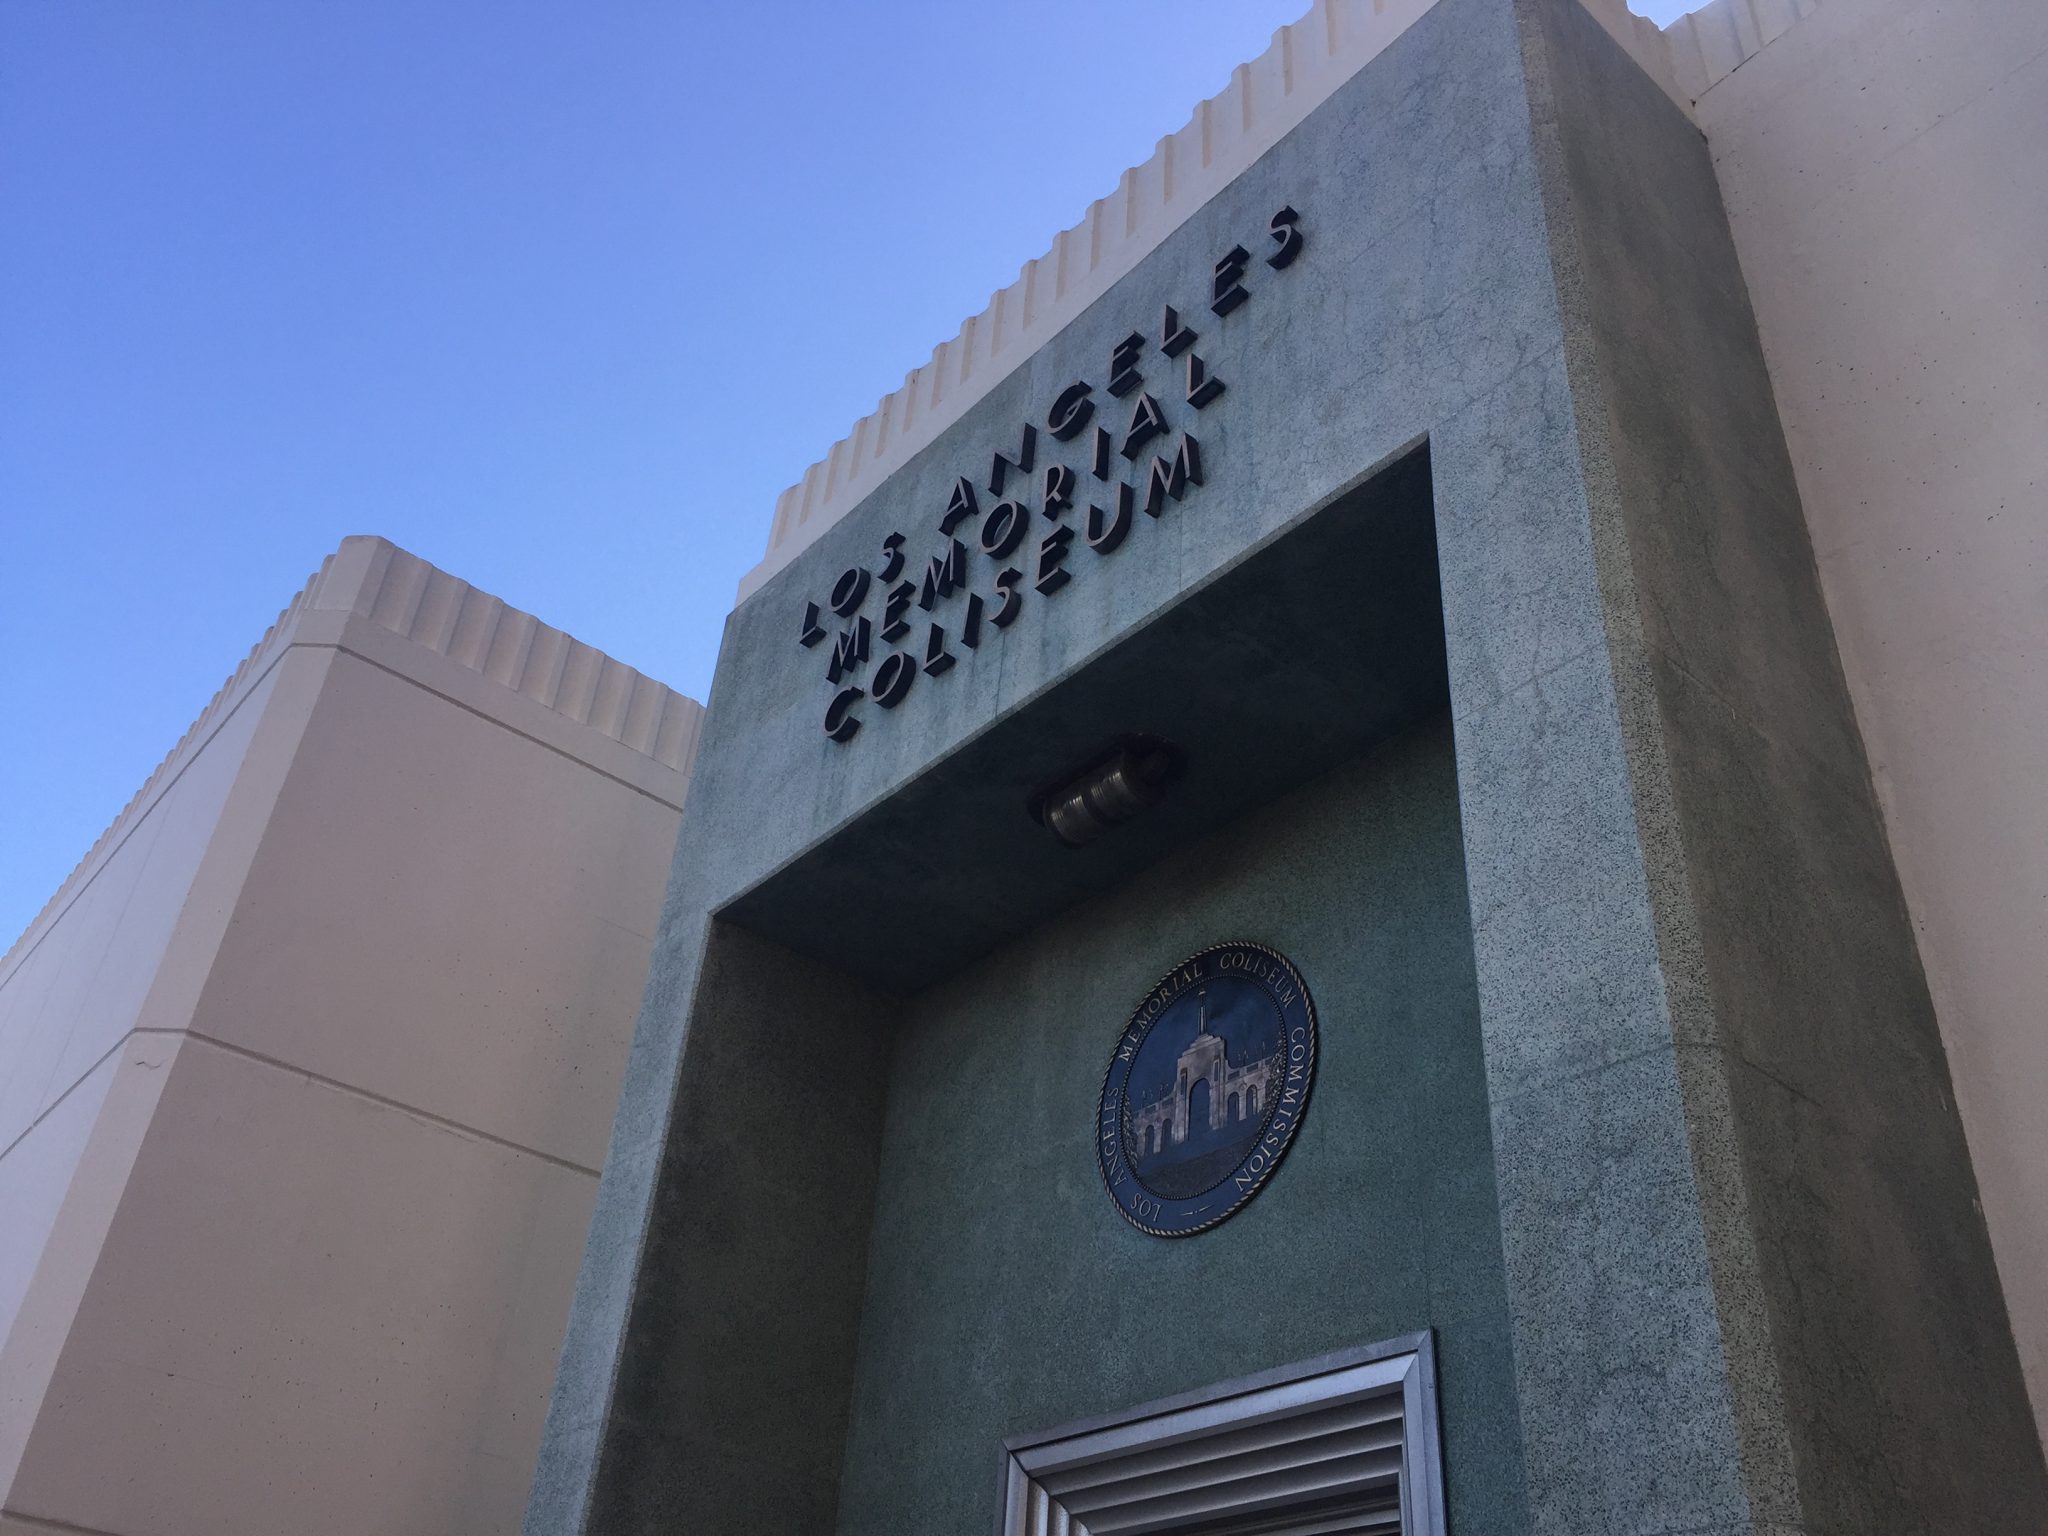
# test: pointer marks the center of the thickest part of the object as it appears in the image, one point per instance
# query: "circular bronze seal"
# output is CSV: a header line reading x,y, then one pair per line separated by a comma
x,y
1206,1089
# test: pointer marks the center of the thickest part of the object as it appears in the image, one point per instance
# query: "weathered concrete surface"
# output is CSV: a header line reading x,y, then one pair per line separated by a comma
x,y
1449,191
1880,163
1004,1292
733,1395
306,1072
1869,1352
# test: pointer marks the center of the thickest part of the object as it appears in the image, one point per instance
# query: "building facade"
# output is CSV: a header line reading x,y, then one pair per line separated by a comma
x,y
1534,518
1441,452
306,1074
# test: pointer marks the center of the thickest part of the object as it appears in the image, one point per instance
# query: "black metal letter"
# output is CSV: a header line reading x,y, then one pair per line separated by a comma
x,y
1172,477
1006,589
960,504
1123,364
1052,551
1228,289
1286,233
849,589
1070,411
970,627
813,631
942,573
849,651
1059,491
1174,338
1002,528
936,657
894,607
1098,465
839,721
1106,531
892,559
1147,422
893,677
1027,450
1201,388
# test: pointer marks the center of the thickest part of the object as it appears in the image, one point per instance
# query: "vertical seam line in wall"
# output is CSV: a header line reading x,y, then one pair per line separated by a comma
x,y
370,661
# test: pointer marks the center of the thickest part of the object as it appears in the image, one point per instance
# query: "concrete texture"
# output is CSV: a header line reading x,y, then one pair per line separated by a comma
x,y
461,813
1002,1290
1516,254
1888,1359
1878,166
732,1388
369,1359
76,985
769,788
308,1070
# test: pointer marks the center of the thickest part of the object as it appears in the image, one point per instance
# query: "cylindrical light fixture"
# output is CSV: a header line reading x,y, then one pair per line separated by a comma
x,y
1122,784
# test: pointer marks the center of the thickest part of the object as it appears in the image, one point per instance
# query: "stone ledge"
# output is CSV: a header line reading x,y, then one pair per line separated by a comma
x,y
389,589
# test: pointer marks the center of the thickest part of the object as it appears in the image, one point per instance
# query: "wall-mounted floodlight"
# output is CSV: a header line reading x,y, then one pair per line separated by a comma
x,y
1120,785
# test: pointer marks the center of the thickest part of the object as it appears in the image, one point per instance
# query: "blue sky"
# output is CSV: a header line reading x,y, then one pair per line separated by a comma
x,y
558,296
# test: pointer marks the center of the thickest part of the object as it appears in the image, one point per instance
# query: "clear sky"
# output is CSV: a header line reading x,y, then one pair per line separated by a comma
x,y
558,296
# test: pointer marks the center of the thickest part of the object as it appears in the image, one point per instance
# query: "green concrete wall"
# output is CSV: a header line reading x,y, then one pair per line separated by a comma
x,y
1729,1214
1005,1293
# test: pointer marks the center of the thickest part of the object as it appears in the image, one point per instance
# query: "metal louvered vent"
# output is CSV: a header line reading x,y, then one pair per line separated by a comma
x,y
1342,1445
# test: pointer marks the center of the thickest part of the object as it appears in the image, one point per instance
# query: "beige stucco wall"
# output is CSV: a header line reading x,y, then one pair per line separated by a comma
x,y
75,985
341,1005
1882,163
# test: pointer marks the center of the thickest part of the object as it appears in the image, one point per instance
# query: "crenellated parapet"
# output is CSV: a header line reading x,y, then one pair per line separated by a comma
x,y
1265,99
372,581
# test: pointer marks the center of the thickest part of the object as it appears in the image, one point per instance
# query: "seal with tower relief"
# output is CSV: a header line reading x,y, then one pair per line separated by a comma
x,y
1206,1089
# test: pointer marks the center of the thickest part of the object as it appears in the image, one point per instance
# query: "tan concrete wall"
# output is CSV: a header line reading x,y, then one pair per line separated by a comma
x,y
310,1219
1882,165
74,987
315,1312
